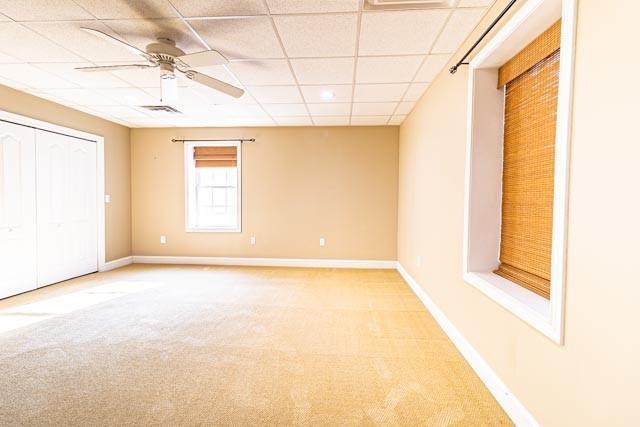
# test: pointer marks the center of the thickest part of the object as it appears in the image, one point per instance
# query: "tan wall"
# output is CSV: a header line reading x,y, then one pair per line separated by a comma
x,y
117,155
298,184
593,379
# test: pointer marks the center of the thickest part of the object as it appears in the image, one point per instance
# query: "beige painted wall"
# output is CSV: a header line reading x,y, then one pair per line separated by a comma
x,y
117,155
593,379
298,184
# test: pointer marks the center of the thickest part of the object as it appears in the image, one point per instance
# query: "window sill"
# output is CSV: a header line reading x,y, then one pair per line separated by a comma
x,y
528,306
213,230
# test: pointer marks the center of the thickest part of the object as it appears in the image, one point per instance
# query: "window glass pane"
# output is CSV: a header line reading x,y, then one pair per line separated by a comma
x,y
216,197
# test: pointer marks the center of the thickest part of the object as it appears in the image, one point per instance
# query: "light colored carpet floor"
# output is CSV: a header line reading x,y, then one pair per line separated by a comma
x,y
236,346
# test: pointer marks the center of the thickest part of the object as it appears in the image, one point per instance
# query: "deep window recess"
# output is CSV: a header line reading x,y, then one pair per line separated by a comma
x,y
530,80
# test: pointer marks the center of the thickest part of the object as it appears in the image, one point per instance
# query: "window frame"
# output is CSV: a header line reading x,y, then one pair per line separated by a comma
x,y
189,179
483,169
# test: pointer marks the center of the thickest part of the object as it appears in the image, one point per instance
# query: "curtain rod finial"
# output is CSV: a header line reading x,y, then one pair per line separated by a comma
x,y
453,69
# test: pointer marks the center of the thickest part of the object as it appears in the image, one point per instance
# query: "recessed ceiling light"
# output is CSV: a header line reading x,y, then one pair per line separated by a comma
x,y
327,94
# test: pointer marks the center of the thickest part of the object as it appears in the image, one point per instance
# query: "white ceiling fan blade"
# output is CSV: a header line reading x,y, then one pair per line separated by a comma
x,y
117,42
114,67
203,59
216,84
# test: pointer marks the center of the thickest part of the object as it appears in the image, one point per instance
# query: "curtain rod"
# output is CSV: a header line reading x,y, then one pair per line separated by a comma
x,y
216,140
453,69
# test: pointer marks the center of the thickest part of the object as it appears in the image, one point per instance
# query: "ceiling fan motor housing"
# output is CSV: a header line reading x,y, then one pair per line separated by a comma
x,y
165,52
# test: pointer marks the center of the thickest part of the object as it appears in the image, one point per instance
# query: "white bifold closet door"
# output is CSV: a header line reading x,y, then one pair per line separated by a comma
x,y
17,209
67,243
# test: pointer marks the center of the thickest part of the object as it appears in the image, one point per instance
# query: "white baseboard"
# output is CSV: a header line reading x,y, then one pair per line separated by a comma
x,y
116,263
509,402
266,262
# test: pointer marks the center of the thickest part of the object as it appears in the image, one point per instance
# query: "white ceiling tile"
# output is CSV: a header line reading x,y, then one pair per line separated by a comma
x,y
189,100
312,6
10,83
84,97
400,32
323,70
126,9
405,107
141,32
379,92
387,69
415,91
286,109
331,120
474,3
133,77
67,71
191,8
318,35
369,120
397,119
119,111
341,93
374,108
293,121
460,25
219,72
7,59
240,38
266,72
431,67
218,98
32,47
33,77
238,110
43,10
81,43
276,94
130,96
329,109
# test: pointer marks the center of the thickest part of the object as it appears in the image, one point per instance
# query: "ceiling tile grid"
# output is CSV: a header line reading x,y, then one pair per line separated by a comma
x,y
301,62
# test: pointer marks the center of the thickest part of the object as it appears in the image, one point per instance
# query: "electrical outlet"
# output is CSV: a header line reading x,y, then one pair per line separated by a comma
x,y
322,241
163,240
253,240
107,198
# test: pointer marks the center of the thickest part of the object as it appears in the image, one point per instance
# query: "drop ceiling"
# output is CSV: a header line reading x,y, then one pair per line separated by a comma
x,y
286,54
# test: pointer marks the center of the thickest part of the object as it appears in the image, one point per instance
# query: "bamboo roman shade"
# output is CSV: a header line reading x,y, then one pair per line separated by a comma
x,y
531,94
215,157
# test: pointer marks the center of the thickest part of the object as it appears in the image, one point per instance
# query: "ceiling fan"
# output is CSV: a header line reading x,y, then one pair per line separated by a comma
x,y
164,55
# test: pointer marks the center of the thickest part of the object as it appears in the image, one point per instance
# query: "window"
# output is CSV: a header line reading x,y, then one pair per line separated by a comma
x,y
213,177
516,173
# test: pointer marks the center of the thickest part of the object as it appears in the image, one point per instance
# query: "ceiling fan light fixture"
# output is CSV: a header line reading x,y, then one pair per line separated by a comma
x,y
168,89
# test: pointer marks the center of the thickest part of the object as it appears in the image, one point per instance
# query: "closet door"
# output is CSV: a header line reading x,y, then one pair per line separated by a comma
x,y
17,209
67,212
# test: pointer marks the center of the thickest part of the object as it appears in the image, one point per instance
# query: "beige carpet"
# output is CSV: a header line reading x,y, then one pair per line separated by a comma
x,y
235,346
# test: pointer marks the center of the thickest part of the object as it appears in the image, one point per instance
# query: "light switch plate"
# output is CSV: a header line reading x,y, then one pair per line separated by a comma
x,y
163,240
322,241
253,240
107,198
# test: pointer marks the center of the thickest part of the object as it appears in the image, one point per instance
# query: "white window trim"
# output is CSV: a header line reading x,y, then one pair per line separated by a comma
x,y
483,171
189,176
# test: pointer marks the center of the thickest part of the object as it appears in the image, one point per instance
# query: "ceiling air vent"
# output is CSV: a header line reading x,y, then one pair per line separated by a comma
x,y
161,108
407,4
